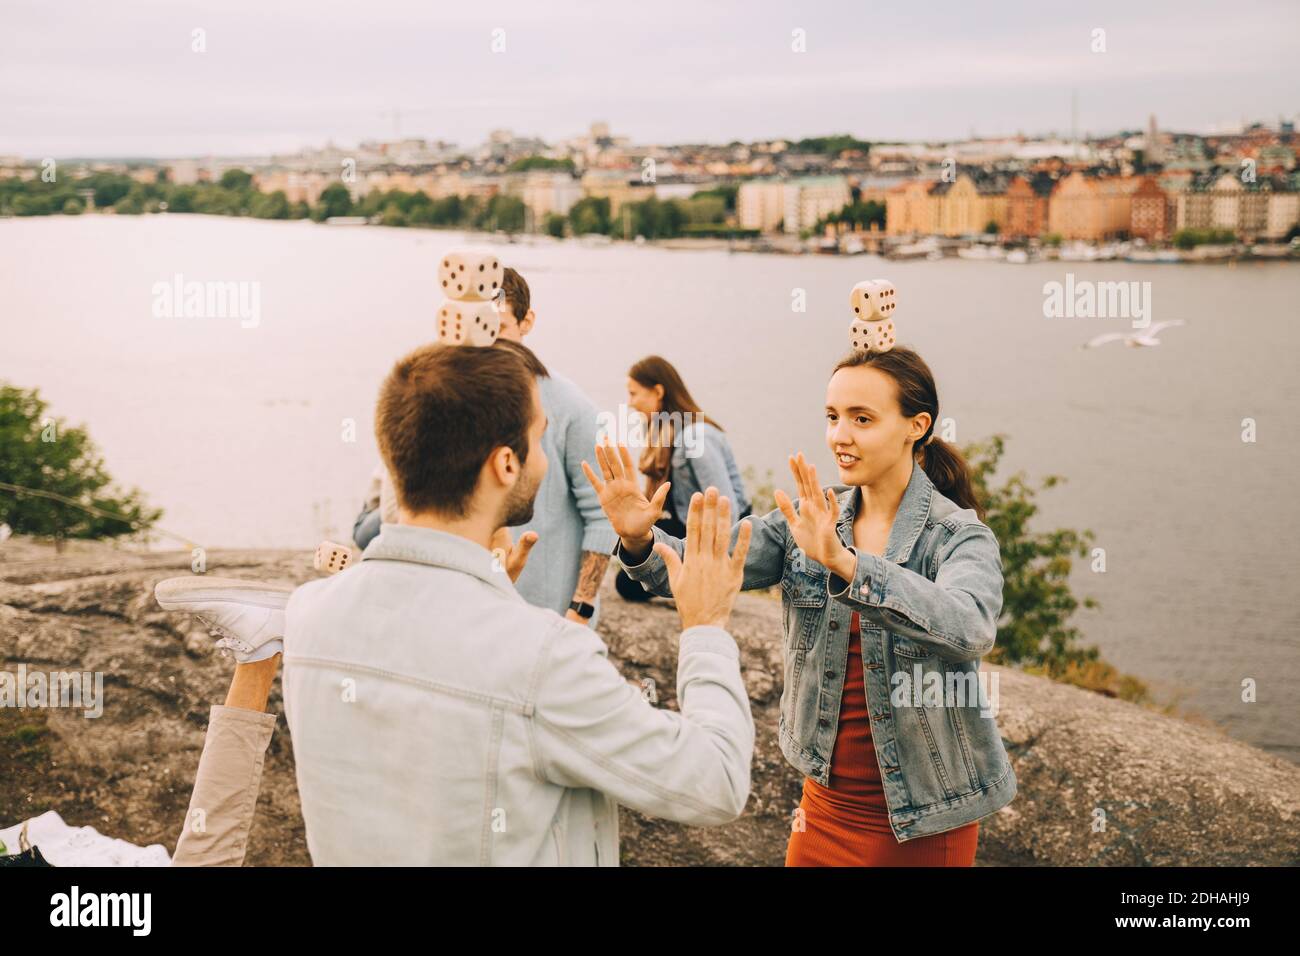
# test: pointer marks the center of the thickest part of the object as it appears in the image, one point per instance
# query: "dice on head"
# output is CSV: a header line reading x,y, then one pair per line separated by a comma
x,y
873,299
468,323
470,276
871,336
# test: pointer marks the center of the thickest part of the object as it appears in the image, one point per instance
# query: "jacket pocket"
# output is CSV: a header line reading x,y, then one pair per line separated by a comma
x,y
804,580
903,647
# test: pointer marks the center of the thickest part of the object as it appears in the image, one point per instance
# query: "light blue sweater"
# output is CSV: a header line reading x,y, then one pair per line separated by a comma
x,y
567,516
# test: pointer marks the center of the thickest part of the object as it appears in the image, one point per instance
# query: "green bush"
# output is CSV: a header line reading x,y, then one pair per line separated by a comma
x,y
57,483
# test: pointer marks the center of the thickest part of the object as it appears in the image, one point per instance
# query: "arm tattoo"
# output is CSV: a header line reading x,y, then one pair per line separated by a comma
x,y
590,575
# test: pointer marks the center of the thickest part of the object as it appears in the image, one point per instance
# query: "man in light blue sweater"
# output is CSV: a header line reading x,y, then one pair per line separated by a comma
x,y
574,538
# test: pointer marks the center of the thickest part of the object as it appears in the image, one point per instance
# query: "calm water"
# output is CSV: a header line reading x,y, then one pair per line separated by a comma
x,y
237,432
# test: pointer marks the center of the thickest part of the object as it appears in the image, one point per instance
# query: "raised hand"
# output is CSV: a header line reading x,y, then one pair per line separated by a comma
x,y
630,513
705,581
813,525
511,555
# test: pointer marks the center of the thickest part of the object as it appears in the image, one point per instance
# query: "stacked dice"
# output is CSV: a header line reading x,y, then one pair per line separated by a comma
x,y
873,304
471,281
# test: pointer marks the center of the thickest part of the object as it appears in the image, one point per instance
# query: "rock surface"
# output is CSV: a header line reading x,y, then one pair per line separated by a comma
x,y
1101,781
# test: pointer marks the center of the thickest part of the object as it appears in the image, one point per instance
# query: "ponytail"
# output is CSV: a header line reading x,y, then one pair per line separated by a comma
x,y
949,473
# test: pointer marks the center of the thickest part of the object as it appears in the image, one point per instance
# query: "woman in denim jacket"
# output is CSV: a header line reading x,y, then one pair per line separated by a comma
x,y
685,449
891,587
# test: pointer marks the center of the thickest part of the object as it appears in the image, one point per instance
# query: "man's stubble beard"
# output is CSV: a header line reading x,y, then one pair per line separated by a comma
x,y
519,506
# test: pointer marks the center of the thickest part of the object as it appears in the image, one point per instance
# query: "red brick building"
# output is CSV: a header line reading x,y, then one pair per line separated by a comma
x,y
1027,206
1150,218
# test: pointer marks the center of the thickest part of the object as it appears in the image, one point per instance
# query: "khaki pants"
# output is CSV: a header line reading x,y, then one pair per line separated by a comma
x,y
225,788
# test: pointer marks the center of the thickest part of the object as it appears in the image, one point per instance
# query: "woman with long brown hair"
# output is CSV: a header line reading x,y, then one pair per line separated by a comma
x,y
685,448
891,584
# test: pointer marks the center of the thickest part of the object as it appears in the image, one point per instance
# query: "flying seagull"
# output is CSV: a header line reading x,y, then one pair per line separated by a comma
x,y
1134,339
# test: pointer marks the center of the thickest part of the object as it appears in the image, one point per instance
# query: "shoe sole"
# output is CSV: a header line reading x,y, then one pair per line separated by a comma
x,y
173,593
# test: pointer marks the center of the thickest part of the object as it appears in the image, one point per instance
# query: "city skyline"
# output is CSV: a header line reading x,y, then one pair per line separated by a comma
x,y
129,83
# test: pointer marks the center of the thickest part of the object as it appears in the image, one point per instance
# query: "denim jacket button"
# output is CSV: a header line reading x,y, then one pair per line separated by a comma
x,y
834,625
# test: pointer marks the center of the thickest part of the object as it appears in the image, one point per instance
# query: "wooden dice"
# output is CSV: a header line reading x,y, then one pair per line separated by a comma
x,y
470,276
468,323
332,558
873,302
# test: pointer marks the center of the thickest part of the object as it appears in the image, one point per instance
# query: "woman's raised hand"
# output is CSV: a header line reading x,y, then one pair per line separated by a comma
x,y
813,525
630,513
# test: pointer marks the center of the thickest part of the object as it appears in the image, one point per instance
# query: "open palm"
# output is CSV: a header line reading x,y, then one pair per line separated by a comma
x,y
813,525
630,513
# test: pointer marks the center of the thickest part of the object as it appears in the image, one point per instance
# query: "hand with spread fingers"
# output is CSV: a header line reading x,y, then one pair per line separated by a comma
x,y
813,525
512,555
705,581
630,513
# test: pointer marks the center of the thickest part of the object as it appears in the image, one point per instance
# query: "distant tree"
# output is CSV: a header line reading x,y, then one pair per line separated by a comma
x,y
57,485
502,213
335,200
73,206
109,189
235,179
269,205
860,215
991,228
132,204
1190,238
589,214
540,162
555,224
830,145
726,192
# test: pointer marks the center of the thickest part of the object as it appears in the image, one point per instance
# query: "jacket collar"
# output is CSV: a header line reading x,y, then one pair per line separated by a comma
x,y
440,549
909,520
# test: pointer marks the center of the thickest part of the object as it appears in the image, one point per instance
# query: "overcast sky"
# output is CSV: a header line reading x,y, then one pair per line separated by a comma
x,y
101,78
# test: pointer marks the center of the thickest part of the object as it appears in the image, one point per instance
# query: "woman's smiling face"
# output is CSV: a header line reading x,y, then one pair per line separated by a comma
x,y
865,428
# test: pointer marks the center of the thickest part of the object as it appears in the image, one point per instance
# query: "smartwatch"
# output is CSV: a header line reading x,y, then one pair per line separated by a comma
x,y
582,609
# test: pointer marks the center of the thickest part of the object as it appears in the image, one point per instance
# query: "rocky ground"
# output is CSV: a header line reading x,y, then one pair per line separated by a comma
x,y
1102,782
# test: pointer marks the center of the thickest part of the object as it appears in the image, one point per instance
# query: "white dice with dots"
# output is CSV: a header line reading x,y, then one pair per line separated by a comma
x,y
470,276
468,323
332,558
873,300
871,336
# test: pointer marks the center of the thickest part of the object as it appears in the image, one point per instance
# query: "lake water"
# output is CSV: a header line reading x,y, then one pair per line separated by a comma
x,y
238,432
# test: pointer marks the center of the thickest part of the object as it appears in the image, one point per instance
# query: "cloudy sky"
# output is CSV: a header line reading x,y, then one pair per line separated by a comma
x,y
98,78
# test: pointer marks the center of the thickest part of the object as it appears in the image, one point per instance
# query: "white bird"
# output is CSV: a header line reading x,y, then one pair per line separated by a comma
x,y
1143,337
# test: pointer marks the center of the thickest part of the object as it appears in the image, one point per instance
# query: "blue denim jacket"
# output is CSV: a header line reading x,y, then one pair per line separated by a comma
x,y
929,610
702,458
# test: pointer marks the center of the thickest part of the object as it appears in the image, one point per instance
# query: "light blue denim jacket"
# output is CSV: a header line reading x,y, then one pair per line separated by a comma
x,y
702,458
437,718
929,608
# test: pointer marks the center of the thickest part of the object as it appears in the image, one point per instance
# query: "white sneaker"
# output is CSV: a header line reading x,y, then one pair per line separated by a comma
x,y
248,615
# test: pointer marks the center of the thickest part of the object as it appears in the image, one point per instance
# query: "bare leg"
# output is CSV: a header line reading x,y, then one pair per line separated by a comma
x,y
250,688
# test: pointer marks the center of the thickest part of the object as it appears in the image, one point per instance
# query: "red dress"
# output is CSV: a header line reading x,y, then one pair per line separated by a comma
x,y
847,823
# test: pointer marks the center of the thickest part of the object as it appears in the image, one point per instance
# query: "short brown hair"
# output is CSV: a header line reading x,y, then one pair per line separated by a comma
x,y
442,410
516,293
528,355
